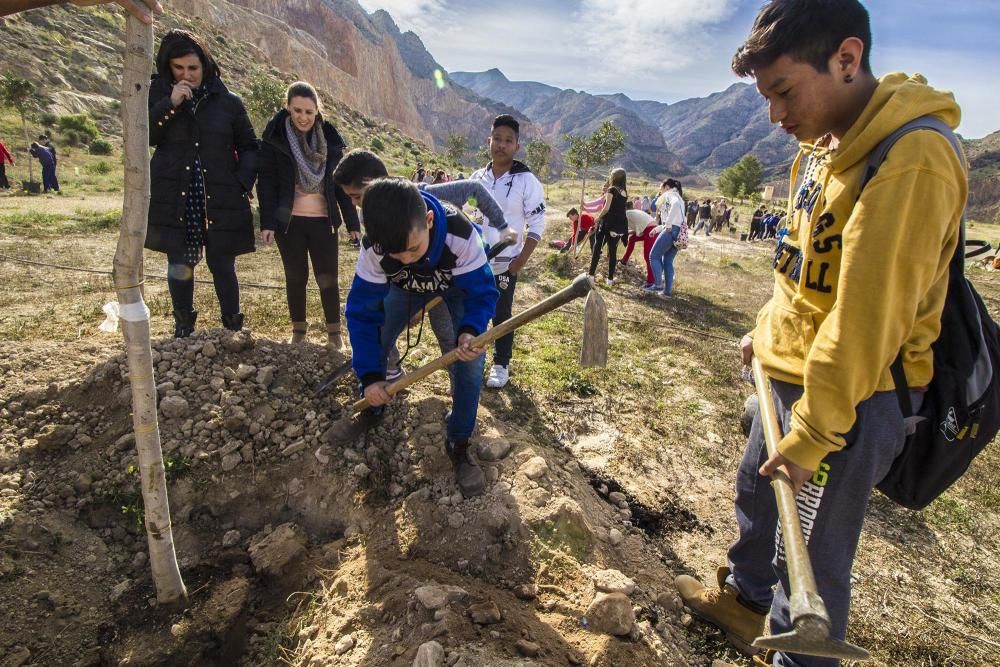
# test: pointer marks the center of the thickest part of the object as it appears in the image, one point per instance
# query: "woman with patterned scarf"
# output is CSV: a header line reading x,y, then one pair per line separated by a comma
x,y
203,171
301,207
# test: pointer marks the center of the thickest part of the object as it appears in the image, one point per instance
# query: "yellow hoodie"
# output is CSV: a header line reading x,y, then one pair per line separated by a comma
x,y
856,280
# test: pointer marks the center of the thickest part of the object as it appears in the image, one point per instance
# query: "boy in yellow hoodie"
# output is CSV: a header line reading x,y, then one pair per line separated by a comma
x,y
860,277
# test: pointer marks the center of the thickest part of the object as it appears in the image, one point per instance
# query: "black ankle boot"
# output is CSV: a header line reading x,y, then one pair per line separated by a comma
x,y
233,322
468,474
184,322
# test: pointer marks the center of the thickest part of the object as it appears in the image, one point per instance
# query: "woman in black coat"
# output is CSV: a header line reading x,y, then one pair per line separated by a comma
x,y
301,207
202,171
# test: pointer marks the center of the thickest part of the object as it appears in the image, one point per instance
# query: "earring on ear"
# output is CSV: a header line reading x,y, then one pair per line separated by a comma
x,y
848,78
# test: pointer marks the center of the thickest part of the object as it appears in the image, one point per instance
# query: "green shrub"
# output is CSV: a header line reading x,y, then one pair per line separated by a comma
x,y
100,168
101,147
47,119
78,126
377,144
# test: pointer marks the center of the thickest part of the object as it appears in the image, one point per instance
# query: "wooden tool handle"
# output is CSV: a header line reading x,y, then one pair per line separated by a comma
x,y
580,286
800,572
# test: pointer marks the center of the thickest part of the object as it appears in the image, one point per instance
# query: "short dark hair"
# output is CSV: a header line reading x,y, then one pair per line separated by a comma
x,y
179,43
808,31
572,211
302,89
391,208
357,167
506,120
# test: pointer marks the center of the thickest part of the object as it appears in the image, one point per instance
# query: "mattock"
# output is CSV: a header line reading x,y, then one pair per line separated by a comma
x,y
811,622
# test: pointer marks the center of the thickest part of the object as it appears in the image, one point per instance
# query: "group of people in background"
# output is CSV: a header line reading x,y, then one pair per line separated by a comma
x,y
433,176
764,224
44,152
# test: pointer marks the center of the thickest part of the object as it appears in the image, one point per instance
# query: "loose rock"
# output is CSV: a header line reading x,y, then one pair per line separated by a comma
x,y
613,581
272,553
611,614
430,654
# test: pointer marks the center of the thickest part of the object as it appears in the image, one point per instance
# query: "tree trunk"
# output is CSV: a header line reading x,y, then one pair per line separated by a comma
x,y
27,148
135,315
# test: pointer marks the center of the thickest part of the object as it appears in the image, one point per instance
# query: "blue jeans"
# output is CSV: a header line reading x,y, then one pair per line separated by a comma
x,y
661,259
466,376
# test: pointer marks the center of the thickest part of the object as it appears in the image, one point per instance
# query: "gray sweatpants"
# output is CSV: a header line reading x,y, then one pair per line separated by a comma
x,y
831,510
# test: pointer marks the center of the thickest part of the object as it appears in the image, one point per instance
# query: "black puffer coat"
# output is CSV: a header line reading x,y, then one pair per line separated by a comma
x,y
276,185
220,133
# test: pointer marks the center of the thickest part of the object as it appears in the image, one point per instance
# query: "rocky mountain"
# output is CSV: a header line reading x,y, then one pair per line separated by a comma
x,y
704,133
559,112
984,177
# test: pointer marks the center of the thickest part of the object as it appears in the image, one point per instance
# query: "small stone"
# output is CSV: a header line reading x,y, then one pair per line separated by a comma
x,y
17,657
231,538
526,591
615,536
362,471
613,581
294,448
120,589
344,644
535,468
485,613
618,499
434,597
526,648
430,654
493,450
230,461
271,553
208,349
54,436
539,497
265,376
669,601
456,520
611,614
174,407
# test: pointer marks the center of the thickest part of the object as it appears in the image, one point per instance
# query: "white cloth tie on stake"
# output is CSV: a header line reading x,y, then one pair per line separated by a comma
x,y
130,312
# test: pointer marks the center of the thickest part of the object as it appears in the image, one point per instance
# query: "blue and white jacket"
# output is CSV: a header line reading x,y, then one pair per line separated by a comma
x,y
456,257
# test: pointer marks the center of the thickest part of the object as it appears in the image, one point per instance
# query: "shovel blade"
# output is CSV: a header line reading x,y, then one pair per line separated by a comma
x,y
594,350
807,641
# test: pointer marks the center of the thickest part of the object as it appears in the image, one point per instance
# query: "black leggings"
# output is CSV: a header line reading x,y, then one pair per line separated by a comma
x,y
304,239
604,237
180,281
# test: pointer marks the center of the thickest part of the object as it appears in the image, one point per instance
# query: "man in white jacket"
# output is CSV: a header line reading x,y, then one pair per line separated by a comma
x,y
522,198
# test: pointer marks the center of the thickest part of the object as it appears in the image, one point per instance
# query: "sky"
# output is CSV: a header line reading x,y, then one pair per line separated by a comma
x,y
669,50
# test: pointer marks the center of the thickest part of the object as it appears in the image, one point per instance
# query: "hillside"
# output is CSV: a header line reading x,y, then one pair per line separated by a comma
x,y
82,74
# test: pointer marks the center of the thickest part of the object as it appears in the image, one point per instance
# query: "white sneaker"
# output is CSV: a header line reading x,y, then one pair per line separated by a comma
x,y
499,376
609,281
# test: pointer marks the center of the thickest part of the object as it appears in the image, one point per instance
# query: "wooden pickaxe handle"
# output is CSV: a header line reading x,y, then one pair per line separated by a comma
x,y
580,287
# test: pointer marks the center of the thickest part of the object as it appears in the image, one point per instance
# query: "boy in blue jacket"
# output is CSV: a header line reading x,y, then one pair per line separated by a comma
x,y
416,248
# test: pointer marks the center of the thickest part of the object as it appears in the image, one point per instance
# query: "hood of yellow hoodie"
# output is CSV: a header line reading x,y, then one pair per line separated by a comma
x,y
898,99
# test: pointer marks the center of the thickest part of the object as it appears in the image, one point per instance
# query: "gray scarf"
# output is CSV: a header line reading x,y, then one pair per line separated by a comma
x,y
309,151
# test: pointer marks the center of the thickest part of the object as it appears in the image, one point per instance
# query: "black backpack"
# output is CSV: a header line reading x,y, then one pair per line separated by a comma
x,y
960,413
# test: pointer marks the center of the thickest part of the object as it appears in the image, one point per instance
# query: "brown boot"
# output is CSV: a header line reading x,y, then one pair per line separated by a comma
x,y
723,608
333,339
299,330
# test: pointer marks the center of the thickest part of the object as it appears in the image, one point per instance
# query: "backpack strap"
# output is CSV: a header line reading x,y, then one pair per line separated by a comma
x,y
957,265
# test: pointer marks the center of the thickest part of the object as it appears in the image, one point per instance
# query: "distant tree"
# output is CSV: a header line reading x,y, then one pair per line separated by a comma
x,y
19,94
598,149
539,154
747,174
483,155
264,98
455,147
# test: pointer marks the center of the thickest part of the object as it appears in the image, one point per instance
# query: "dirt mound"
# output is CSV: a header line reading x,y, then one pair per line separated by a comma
x,y
297,551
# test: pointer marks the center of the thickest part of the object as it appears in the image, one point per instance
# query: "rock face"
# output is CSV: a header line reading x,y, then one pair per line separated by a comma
x,y
362,60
